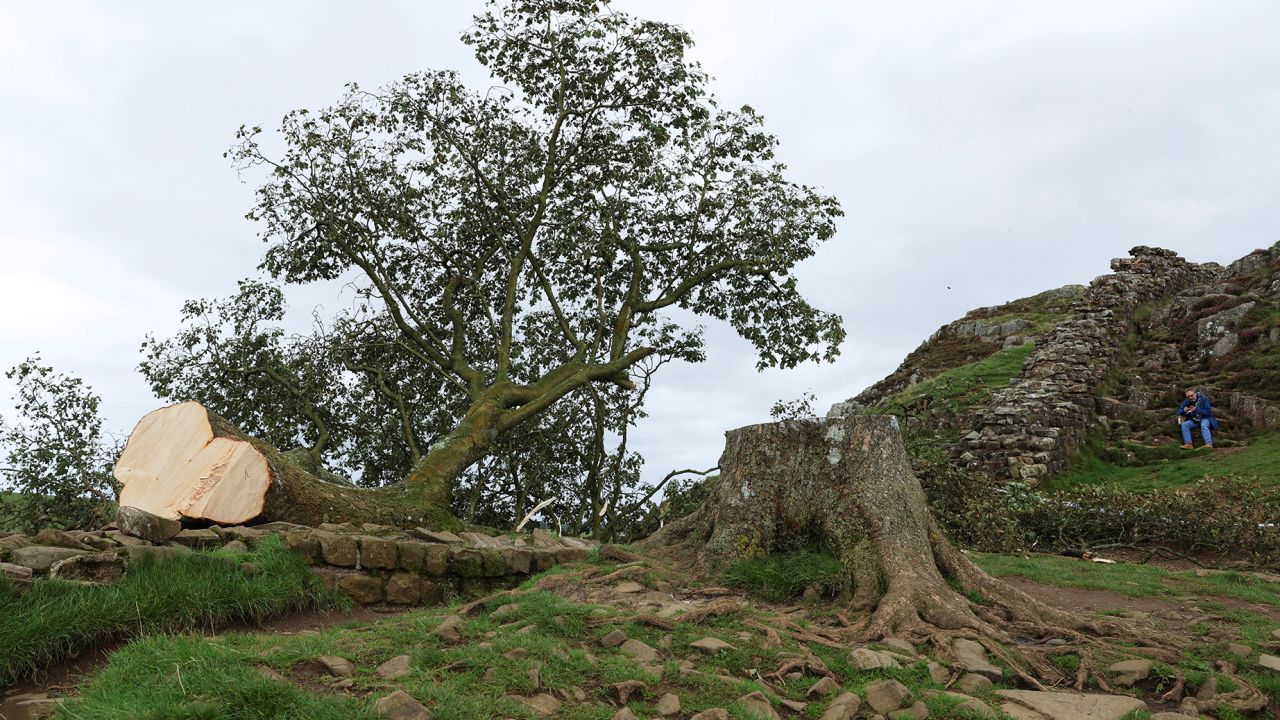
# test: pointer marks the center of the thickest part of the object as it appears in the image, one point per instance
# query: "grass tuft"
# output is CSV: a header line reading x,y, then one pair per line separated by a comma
x,y
783,576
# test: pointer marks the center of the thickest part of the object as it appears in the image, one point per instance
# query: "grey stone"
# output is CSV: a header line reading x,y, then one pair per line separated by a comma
x,y
1128,672
404,589
9,543
198,539
15,573
339,550
886,695
153,554
142,524
843,707
668,705
60,538
400,705
364,589
711,714
449,629
710,645
1067,706
235,547
868,659
970,683
395,668
825,686
613,638
1270,662
376,552
639,651
40,558
94,568
758,706
436,536
973,657
337,666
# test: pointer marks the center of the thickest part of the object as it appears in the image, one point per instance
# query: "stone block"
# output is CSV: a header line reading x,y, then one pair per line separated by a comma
x,y
339,550
40,557
154,554
543,559
431,593
202,538
376,552
491,562
404,589
411,555
364,589
466,562
142,524
303,543
327,577
435,559
518,560
566,555
94,568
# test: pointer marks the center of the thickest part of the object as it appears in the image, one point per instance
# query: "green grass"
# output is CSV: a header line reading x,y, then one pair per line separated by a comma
x,y
782,576
217,678
1171,466
56,619
967,386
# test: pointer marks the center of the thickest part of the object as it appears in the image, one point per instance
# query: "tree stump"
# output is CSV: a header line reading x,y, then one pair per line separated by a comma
x,y
848,482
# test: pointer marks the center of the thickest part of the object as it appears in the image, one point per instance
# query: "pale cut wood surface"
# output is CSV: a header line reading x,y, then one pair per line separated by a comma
x,y
175,466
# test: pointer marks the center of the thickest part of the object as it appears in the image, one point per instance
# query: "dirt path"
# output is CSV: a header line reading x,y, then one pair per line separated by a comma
x,y
63,677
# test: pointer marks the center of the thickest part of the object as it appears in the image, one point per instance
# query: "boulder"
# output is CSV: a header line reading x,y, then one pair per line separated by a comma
x,y
142,524
710,645
395,668
844,707
886,695
60,538
971,656
1128,672
868,659
758,706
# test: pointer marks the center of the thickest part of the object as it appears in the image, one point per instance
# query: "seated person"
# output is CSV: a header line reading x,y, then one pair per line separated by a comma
x,y
1195,410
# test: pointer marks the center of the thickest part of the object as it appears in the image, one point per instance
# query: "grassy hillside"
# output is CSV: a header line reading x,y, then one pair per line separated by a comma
x,y
1170,466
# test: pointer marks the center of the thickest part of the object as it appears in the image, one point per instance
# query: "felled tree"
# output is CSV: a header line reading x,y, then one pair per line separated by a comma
x,y
525,241
848,481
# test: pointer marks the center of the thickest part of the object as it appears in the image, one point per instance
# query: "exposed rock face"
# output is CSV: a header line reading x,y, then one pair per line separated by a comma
x,y
1187,322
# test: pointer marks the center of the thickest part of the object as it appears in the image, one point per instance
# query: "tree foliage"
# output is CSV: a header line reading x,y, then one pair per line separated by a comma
x,y
56,456
519,246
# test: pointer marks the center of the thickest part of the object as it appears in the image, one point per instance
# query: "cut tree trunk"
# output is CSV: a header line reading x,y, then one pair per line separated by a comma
x,y
185,462
847,483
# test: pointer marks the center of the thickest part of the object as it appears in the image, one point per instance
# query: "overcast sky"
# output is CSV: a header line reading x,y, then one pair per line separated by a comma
x,y
983,151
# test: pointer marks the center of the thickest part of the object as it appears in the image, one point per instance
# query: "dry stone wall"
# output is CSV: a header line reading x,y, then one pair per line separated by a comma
x,y
1032,427
371,563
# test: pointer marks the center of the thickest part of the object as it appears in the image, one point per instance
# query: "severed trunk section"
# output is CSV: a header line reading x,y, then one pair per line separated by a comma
x,y
185,462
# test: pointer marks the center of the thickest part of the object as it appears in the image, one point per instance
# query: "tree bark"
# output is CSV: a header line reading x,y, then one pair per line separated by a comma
x,y
185,462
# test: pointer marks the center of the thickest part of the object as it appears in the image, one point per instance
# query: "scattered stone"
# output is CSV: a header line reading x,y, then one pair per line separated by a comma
x,y
613,639
918,711
625,714
15,573
793,705
973,658
1128,672
337,666
142,524
668,705
711,714
200,539
710,645
95,568
886,695
10,543
939,673
269,673
342,684
975,707
625,689
825,686
758,705
630,586
1168,716
900,645
543,704
868,659
396,667
1208,689
449,629
400,705
436,536
844,707
1239,650
1068,706
640,651
235,547
535,678
1271,662
970,683
60,538
40,558
505,611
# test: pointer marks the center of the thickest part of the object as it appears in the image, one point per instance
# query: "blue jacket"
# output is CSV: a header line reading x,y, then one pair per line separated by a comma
x,y
1198,410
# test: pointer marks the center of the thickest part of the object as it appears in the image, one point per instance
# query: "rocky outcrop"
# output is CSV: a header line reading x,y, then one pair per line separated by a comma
x,y
1032,427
